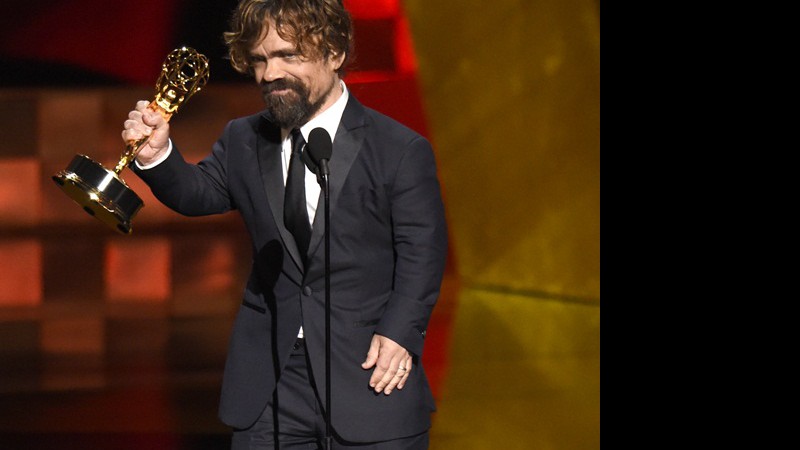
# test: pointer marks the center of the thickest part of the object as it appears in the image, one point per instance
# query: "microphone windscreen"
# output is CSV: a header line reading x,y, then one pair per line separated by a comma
x,y
319,145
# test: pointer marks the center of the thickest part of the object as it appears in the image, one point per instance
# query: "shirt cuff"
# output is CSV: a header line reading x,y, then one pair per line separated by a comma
x,y
158,161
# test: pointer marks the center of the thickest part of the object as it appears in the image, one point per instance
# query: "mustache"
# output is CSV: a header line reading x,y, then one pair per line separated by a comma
x,y
280,84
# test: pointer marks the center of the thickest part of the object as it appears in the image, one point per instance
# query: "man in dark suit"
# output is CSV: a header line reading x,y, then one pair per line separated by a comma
x,y
387,249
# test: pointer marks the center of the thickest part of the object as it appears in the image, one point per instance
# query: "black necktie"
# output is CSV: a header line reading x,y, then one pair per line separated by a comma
x,y
295,214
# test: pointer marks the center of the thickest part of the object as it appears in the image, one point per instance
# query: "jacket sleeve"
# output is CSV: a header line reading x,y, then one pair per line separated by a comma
x,y
192,189
420,245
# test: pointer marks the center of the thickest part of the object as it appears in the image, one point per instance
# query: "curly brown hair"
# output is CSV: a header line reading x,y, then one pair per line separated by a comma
x,y
319,29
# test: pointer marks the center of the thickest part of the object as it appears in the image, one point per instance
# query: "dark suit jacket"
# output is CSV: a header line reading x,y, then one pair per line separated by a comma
x,y
387,253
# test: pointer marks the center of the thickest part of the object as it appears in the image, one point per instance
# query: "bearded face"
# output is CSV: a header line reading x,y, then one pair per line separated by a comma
x,y
288,102
295,87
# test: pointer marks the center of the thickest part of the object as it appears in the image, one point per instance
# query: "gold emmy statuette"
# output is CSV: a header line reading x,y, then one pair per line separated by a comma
x,y
101,192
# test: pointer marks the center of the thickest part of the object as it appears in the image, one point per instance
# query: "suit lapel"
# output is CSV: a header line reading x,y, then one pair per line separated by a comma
x,y
271,168
346,145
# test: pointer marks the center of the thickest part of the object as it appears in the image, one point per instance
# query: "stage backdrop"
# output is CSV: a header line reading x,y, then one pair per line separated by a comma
x,y
512,92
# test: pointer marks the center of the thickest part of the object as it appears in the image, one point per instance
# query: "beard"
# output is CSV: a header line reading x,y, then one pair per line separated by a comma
x,y
293,109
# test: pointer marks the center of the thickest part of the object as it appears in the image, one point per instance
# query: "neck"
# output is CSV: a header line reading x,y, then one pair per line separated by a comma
x,y
333,94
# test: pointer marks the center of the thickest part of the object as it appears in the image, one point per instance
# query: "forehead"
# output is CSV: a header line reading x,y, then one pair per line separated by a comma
x,y
271,41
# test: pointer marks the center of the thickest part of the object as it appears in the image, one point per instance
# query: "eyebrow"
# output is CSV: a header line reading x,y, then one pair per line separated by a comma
x,y
285,52
279,53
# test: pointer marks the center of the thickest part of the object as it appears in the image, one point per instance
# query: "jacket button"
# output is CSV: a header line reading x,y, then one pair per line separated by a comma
x,y
307,290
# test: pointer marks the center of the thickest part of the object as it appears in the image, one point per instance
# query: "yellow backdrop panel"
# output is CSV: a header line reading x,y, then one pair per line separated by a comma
x,y
512,91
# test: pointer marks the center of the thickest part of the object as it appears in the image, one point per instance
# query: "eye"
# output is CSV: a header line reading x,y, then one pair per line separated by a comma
x,y
255,59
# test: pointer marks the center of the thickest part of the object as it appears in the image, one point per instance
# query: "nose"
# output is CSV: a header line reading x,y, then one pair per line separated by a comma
x,y
270,71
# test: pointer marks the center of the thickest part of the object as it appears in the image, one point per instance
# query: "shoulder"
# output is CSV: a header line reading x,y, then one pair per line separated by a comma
x,y
250,122
394,144
388,131
390,125
245,129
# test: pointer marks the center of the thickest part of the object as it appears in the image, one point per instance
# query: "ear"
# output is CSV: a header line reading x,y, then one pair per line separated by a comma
x,y
336,60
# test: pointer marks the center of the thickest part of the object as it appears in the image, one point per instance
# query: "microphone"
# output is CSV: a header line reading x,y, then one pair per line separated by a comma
x,y
320,148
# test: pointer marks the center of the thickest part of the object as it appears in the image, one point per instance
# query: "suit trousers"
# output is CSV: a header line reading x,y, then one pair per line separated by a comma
x,y
294,419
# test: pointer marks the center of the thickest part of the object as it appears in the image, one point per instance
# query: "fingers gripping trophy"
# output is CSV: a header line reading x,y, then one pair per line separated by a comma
x,y
103,193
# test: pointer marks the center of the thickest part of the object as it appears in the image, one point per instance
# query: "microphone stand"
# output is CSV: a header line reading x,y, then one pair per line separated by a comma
x,y
325,186
320,148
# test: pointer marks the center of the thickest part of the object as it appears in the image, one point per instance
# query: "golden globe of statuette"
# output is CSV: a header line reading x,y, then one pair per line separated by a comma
x,y
103,193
